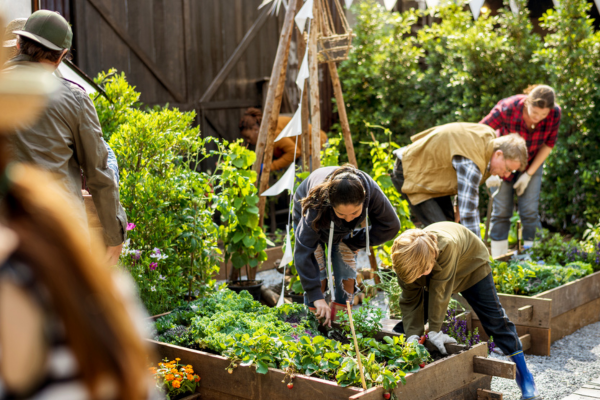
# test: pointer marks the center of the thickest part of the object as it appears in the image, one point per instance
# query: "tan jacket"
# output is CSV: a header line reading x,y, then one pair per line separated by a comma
x,y
427,163
463,261
67,140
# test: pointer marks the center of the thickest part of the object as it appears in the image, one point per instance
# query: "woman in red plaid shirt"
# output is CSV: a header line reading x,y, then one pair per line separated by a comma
x,y
535,117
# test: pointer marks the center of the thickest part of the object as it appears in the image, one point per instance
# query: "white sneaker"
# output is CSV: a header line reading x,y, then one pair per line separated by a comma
x,y
499,248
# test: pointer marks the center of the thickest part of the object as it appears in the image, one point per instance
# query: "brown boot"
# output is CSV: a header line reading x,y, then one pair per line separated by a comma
x,y
335,307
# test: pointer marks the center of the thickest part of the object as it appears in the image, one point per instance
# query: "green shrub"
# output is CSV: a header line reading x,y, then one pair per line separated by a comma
x,y
458,69
172,251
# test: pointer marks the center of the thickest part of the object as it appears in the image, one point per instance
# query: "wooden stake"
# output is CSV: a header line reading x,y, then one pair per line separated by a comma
x,y
266,135
360,368
314,89
339,98
306,145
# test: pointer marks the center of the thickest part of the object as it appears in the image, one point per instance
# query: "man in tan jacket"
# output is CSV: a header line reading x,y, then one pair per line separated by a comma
x,y
454,159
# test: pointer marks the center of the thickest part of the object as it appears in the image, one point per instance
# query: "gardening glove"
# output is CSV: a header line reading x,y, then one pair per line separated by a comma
x,y
438,339
493,181
413,339
522,183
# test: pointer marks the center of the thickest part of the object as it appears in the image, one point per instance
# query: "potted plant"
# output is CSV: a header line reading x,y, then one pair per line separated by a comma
x,y
244,242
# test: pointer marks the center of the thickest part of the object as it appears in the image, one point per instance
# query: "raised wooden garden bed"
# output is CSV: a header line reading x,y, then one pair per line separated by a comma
x,y
458,376
553,314
273,254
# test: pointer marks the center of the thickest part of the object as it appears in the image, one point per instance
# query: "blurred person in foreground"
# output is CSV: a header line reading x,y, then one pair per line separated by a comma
x,y
443,259
69,326
67,138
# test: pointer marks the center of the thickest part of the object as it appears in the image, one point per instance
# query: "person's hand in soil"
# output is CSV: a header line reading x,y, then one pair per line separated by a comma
x,y
323,311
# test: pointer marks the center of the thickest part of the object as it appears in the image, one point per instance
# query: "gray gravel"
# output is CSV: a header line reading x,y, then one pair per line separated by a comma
x,y
575,360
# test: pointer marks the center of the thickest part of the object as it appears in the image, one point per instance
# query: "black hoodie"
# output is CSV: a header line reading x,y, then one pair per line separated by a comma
x,y
384,225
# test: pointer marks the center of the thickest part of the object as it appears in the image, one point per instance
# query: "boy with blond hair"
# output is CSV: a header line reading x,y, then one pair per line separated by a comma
x,y
446,258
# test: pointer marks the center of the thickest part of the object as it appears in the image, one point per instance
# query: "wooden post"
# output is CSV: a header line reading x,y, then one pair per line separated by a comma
x,y
306,145
339,98
314,89
266,135
360,368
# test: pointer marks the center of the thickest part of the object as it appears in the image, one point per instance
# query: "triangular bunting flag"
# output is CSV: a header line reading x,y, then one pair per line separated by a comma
x,y
286,182
305,13
294,127
389,4
476,7
432,3
288,257
514,7
348,3
303,72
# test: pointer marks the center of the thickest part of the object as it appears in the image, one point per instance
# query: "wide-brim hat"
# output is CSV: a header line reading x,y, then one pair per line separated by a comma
x,y
23,94
9,34
49,29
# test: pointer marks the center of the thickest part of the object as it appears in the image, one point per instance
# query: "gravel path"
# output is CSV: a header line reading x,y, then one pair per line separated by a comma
x,y
575,360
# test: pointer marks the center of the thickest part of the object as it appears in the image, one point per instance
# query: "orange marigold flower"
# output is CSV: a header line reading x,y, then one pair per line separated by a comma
x,y
196,378
178,359
189,371
176,384
190,377
170,377
189,366
174,371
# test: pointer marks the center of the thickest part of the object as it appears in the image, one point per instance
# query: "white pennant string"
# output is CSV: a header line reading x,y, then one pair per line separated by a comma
x,y
303,72
294,127
306,12
389,4
286,182
476,7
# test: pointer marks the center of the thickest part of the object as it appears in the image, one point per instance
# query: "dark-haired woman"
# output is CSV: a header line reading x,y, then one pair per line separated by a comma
x,y
285,149
329,208
536,117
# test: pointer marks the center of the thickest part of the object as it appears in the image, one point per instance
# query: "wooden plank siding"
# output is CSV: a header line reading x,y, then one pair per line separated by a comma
x,y
189,41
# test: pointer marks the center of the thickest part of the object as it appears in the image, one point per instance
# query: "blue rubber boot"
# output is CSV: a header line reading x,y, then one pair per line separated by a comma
x,y
524,378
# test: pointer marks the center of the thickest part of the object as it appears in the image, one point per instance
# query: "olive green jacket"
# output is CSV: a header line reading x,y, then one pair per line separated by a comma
x,y
67,140
463,261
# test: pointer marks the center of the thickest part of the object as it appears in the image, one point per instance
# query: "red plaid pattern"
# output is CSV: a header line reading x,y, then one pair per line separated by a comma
x,y
507,117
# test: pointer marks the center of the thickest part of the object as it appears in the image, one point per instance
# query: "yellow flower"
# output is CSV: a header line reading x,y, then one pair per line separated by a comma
x,y
178,359
189,371
189,366
174,371
176,384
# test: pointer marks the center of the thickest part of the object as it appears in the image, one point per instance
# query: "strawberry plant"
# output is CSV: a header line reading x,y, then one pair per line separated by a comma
x,y
367,319
286,337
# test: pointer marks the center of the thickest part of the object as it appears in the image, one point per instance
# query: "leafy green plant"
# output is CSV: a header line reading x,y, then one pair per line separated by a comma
x,y
388,283
367,319
123,97
244,241
527,278
248,333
